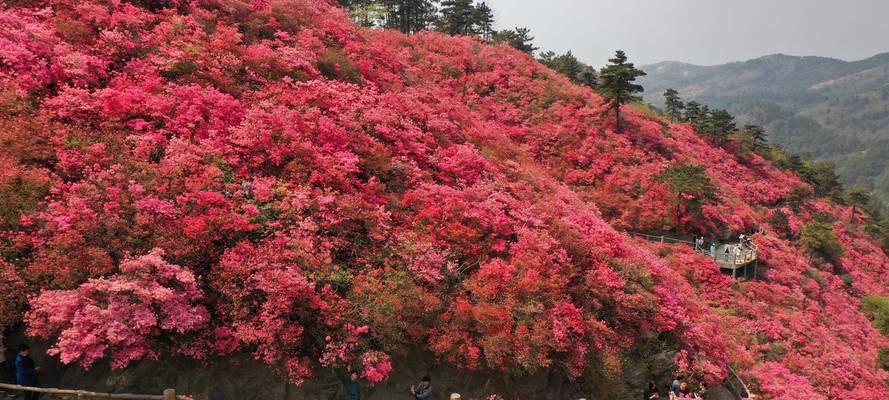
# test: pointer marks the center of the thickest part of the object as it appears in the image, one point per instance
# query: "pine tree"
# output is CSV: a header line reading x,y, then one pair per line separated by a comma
x,y
567,64
693,113
757,133
519,38
616,83
483,21
691,188
588,77
456,17
409,16
674,105
366,12
719,124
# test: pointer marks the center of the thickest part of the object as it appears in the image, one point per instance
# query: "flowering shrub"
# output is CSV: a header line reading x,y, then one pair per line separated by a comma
x,y
121,317
341,195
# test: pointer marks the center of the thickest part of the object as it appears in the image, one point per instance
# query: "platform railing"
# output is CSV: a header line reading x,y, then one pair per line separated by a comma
x,y
169,394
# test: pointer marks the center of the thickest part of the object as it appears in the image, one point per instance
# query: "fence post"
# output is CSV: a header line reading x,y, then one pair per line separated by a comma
x,y
662,238
169,394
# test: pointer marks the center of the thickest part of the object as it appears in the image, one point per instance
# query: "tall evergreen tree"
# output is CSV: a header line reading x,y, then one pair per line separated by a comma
x,y
719,124
519,38
567,64
409,16
757,134
457,17
588,77
483,21
691,188
366,12
616,83
693,113
674,105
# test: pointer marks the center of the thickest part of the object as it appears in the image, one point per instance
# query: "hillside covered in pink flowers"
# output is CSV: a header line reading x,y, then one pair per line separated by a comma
x,y
218,176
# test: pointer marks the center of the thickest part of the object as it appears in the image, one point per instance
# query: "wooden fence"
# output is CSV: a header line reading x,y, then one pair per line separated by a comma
x,y
169,394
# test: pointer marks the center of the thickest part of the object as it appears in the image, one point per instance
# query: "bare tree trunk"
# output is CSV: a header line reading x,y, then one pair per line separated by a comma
x,y
617,114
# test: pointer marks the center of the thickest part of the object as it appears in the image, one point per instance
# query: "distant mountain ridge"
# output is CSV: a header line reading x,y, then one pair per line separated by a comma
x,y
832,109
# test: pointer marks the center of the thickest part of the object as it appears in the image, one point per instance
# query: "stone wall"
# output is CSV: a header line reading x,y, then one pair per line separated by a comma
x,y
241,377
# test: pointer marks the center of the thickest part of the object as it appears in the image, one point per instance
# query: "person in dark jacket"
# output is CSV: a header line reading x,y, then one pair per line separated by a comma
x,y
423,391
353,388
651,393
26,372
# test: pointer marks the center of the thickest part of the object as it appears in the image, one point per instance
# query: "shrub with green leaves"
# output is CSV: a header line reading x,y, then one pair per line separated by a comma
x,y
819,239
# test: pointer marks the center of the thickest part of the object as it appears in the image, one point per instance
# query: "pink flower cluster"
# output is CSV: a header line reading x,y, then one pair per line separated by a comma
x,y
122,317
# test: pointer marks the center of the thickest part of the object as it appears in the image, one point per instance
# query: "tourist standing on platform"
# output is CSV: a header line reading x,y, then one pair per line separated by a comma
x,y
713,250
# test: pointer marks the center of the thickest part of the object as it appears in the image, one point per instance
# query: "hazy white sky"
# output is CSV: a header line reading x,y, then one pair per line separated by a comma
x,y
701,31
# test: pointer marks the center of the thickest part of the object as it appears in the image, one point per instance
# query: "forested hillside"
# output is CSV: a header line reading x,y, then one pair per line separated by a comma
x,y
832,109
221,176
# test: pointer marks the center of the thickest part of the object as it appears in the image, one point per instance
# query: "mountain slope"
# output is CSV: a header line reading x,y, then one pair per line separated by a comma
x,y
832,109
218,176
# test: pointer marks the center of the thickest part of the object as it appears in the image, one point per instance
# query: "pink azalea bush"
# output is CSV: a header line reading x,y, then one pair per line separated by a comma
x,y
122,317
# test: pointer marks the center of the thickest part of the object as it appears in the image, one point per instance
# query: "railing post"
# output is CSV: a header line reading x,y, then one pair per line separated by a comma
x,y
169,394
662,238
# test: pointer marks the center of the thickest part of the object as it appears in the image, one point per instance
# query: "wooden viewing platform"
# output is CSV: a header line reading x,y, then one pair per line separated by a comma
x,y
169,394
733,261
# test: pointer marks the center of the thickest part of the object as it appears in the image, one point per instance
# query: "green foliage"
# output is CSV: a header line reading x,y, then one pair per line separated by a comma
x,y
616,83
567,64
719,124
519,38
483,19
883,358
673,105
819,239
693,113
457,17
757,134
688,180
19,196
780,223
691,188
367,12
776,351
334,64
877,307
819,174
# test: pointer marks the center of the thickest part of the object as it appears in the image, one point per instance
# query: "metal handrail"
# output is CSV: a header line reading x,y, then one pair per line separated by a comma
x,y
169,394
661,238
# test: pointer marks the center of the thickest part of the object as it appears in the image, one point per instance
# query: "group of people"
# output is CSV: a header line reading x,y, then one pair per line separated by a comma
x,y
420,391
738,250
678,390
